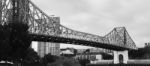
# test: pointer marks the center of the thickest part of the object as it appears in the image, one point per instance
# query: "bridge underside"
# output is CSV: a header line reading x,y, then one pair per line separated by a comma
x,y
59,39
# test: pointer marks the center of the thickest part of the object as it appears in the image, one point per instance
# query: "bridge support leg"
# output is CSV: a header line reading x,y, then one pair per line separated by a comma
x,y
120,57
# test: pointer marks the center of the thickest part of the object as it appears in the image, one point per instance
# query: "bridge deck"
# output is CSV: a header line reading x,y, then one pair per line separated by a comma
x,y
57,39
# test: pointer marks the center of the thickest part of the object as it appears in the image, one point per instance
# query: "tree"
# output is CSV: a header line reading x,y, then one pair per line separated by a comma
x,y
19,39
14,40
83,62
67,61
141,53
5,47
48,58
31,57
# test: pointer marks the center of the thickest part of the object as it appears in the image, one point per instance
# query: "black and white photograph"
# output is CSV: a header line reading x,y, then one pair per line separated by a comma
x,y
74,32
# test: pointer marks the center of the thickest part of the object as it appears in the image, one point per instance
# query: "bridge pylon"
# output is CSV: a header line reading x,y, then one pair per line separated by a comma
x,y
121,57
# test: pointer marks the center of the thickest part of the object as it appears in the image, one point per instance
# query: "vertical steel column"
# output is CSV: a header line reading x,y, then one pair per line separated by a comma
x,y
15,10
20,11
1,11
24,11
125,38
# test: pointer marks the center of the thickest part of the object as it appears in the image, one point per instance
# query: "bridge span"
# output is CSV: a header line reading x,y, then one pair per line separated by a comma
x,y
48,28
113,42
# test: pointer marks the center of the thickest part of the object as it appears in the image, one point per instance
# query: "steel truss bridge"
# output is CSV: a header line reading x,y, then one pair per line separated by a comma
x,y
48,28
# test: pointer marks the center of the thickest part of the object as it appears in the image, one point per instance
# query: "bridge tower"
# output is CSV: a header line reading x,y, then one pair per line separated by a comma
x,y
121,57
0,11
20,10
13,11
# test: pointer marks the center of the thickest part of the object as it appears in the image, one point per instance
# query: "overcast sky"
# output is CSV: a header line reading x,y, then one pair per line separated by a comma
x,y
101,16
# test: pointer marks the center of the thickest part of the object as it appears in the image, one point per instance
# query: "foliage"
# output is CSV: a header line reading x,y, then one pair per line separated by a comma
x,y
31,57
59,60
141,53
66,61
14,41
83,62
48,58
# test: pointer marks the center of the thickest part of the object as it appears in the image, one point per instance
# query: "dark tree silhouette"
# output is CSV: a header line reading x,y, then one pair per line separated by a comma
x,y
141,53
14,40
48,58
66,61
31,57
84,62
